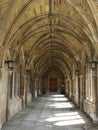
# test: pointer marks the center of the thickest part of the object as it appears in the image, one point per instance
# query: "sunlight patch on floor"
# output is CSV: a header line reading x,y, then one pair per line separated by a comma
x,y
58,96
66,114
64,119
67,118
71,122
59,99
61,105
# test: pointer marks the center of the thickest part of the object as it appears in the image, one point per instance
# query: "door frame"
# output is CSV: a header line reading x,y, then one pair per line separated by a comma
x,y
55,79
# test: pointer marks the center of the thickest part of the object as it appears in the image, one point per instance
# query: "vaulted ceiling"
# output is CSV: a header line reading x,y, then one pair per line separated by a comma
x,y
52,34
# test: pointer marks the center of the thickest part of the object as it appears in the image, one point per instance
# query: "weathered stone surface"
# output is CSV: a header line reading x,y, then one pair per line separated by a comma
x,y
51,113
48,39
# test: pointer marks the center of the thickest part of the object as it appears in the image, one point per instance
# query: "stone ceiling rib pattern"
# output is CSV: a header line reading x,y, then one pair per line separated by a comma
x,y
50,32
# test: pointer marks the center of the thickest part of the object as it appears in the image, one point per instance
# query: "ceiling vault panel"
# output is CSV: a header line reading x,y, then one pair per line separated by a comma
x,y
53,34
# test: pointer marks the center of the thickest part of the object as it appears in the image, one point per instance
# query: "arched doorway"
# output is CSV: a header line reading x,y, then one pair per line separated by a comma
x,y
53,84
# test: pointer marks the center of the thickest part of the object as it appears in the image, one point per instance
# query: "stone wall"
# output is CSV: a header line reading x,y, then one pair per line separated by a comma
x,y
89,108
76,100
29,98
15,106
3,94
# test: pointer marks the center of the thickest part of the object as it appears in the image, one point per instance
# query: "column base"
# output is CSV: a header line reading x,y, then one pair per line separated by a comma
x,y
95,118
36,94
0,126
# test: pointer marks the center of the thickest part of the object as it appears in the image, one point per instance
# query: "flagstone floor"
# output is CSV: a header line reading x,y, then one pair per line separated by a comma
x,y
52,111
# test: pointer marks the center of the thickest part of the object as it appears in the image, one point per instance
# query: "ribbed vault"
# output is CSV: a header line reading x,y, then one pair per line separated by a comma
x,y
52,34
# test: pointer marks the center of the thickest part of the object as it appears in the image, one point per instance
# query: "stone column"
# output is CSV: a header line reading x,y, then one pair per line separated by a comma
x,y
4,95
17,84
96,81
67,87
44,86
26,89
8,95
40,86
0,110
72,90
23,88
81,91
70,83
95,86
13,85
35,86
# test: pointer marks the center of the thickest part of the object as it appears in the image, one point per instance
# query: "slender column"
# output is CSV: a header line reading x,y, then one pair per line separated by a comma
x,y
40,87
1,94
9,94
95,85
72,90
23,88
26,89
81,91
44,89
0,109
17,84
13,85
35,86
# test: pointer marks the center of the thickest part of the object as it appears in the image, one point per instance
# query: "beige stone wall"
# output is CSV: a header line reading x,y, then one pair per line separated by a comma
x,y
29,98
15,106
76,99
89,108
0,109
3,94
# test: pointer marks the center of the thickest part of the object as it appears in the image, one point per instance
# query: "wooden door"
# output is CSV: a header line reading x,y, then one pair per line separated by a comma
x,y
53,85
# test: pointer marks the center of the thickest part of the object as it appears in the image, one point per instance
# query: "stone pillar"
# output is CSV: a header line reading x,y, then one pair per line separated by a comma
x,y
0,112
96,81
70,94
95,86
9,94
72,90
13,84
17,82
26,89
23,88
81,91
24,77
40,86
44,86
3,95
35,86
66,88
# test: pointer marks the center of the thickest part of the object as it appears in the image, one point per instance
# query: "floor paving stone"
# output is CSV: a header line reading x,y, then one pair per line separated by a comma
x,y
51,112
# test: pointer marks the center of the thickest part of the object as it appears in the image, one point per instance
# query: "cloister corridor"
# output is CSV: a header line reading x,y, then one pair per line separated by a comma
x,y
52,111
48,64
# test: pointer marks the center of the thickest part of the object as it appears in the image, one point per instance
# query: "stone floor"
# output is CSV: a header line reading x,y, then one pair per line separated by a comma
x,y
51,112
